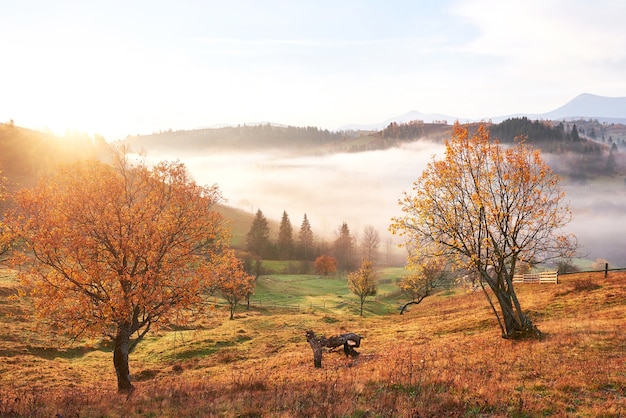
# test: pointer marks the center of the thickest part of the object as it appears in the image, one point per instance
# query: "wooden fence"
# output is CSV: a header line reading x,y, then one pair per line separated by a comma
x,y
543,277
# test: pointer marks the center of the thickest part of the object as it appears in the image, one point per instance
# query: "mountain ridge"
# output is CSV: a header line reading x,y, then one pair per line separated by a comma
x,y
586,105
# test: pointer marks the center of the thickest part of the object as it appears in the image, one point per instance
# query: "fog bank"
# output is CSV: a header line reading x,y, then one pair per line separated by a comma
x,y
364,188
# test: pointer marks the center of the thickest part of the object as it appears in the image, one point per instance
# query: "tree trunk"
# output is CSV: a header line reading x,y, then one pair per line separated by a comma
x,y
120,360
349,342
517,324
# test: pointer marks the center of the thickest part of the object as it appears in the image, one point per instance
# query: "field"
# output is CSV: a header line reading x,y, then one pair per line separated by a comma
x,y
444,357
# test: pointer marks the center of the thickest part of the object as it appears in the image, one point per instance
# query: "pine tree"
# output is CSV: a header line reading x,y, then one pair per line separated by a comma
x,y
285,238
305,239
611,166
258,238
344,248
574,134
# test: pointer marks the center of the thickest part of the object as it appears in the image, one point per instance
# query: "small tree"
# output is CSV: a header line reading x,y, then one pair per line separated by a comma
x,y
362,282
233,282
369,243
114,249
486,208
325,264
425,278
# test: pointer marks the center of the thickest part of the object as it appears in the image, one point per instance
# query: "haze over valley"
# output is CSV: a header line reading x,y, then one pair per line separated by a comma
x,y
362,188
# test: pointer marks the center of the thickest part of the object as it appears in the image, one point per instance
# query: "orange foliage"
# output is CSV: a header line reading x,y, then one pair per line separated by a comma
x,y
362,282
113,249
487,208
325,264
232,281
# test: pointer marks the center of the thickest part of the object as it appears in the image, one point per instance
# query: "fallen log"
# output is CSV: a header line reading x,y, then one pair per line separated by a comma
x,y
349,341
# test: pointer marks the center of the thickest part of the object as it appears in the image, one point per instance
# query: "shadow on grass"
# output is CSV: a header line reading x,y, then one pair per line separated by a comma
x,y
49,353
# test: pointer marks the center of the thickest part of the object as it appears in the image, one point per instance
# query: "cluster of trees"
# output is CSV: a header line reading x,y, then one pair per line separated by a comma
x,y
409,130
576,155
346,250
551,138
340,255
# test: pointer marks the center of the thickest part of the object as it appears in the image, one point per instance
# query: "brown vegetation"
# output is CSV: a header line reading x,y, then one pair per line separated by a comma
x,y
436,360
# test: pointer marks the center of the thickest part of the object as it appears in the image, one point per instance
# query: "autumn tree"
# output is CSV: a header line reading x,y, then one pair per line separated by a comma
x,y
232,281
114,249
258,238
485,208
343,248
362,282
424,279
325,264
306,239
369,243
285,238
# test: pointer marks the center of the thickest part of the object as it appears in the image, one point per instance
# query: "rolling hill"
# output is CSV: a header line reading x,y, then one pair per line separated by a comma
x,y
445,357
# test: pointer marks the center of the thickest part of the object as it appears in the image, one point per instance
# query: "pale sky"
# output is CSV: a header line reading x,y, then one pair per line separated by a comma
x,y
136,67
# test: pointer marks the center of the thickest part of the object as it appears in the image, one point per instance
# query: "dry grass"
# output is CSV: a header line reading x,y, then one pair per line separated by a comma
x,y
443,358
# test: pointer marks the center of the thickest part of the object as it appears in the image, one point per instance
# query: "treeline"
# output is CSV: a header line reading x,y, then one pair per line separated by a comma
x,y
243,136
578,152
409,130
413,130
558,138
303,245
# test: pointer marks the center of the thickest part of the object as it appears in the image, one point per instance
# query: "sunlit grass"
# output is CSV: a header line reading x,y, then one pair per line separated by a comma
x,y
444,357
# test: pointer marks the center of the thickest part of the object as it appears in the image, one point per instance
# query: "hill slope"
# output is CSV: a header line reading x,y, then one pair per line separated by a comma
x,y
444,358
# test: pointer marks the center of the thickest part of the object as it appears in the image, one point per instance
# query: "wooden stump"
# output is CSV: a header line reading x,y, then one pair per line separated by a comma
x,y
349,342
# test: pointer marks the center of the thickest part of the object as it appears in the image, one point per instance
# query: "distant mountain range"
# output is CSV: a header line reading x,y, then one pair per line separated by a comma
x,y
584,106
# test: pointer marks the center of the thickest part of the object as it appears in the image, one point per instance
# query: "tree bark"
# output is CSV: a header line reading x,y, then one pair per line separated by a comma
x,y
517,324
349,342
120,360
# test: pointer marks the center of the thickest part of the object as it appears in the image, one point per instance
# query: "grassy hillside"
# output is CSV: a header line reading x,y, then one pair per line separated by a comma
x,y
444,357
25,154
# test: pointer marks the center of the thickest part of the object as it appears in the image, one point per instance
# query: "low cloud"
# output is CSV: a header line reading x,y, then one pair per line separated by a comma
x,y
358,188
364,188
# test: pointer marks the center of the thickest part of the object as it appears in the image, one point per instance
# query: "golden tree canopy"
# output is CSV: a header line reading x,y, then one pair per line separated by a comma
x,y
485,208
485,204
117,246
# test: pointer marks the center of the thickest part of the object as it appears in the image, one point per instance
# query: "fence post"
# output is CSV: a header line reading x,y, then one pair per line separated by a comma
x,y
606,270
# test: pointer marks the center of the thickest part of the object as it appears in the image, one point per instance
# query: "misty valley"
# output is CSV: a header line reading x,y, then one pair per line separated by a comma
x,y
333,186
156,253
